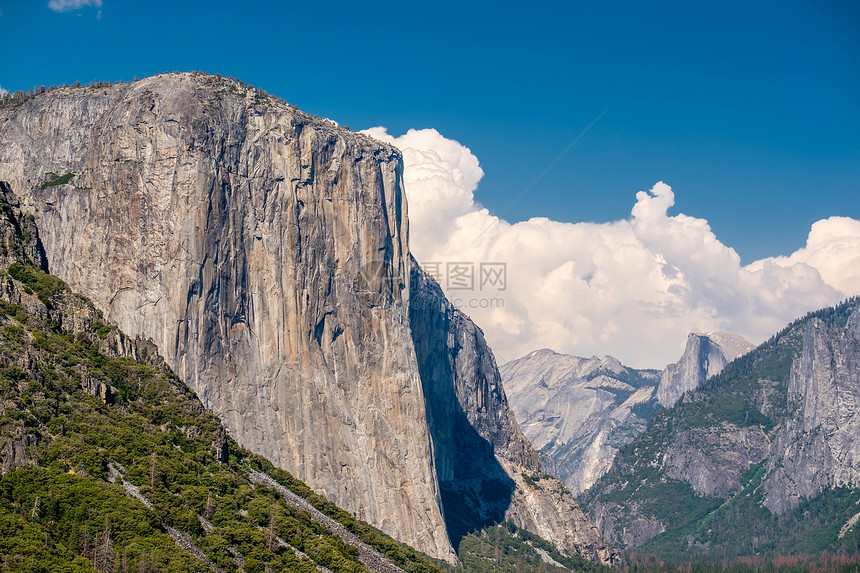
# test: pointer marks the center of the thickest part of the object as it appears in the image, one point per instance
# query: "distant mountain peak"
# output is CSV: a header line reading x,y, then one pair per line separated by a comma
x,y
705,355
578,411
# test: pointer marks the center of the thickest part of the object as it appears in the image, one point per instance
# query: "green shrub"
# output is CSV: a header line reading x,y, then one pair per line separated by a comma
x,y
57,180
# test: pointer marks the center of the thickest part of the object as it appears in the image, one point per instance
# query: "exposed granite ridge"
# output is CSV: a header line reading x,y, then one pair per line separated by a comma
x,y
488,471
579,411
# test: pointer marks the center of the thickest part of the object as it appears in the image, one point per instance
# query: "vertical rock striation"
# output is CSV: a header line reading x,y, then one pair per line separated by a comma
x,y
818,445
265,253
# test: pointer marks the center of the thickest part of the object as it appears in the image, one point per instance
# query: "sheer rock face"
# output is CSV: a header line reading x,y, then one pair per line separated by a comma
x,y
704,356
818,446
487,469
19,237
265,253
578,411
714,460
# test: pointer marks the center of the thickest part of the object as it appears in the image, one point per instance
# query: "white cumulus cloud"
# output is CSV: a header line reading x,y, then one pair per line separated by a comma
x,y
632,288
832,249
68,5
3,91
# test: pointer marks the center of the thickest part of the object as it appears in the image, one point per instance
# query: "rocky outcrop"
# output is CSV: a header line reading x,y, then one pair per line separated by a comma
x,y
97,388
19,450
578,411
632,532
704,356
221,447
264,252
543,505
714,460
19,238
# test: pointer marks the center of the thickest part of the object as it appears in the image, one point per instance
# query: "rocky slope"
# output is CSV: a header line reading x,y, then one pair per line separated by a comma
x,y
762,459
577,412
704,356
265,253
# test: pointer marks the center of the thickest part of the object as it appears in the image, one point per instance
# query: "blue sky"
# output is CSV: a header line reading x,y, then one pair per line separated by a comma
x,y
749,110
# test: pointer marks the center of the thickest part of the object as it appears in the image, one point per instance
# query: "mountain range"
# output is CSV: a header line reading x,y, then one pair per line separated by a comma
x,y
761,460
217,353
578,412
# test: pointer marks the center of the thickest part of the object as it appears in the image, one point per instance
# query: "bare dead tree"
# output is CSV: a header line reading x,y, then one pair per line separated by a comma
x,y
210,507
271,533
153,470
104,556
85,542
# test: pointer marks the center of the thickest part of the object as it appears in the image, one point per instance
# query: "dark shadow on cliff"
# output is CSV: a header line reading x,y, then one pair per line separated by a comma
x,y
480,491
475,489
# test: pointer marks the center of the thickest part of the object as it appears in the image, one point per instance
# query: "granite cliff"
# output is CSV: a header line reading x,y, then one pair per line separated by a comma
x,y
704,356
265,253
97,434
487,469
762,459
